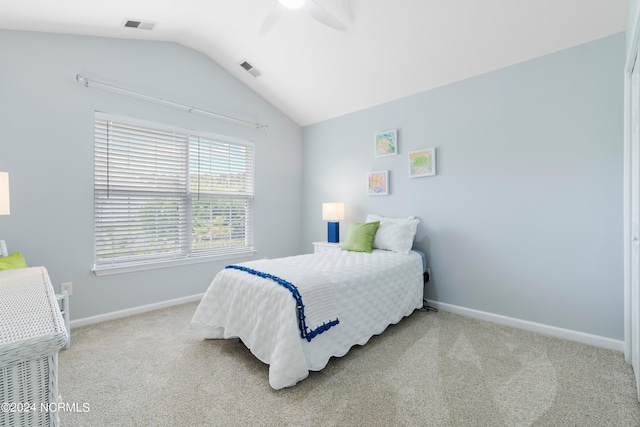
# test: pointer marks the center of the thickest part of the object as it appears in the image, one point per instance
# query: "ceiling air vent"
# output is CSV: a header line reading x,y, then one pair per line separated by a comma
x,y
141,25
251,69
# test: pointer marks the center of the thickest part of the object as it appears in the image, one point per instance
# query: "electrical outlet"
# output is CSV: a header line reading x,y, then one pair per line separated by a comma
x,y
67,288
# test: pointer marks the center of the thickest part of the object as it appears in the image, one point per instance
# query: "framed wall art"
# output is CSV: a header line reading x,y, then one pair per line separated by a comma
x,y
422,163
386,143
378,183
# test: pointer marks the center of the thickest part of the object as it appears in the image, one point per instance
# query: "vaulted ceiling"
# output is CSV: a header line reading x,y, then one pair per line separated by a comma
x,y
311,72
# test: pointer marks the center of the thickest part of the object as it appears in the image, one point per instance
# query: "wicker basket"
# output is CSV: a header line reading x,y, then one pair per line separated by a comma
x,y
32,331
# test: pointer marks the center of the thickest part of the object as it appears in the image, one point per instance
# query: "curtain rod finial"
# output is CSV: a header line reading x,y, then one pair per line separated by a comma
x,y
82,80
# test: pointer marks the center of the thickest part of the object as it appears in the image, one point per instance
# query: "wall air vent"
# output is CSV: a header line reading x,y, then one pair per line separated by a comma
x,y
250,69
141,25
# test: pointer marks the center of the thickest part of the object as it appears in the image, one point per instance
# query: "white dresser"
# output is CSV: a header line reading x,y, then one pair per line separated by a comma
x,y
32,331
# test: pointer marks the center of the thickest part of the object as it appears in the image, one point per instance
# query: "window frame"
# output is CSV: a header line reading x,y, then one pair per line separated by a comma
x,y
188,255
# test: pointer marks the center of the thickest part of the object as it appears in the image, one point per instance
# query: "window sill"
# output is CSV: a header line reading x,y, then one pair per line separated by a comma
x,y
107,271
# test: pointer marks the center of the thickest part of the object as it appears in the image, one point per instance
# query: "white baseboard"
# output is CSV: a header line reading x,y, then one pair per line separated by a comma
x,y
132,311
567,334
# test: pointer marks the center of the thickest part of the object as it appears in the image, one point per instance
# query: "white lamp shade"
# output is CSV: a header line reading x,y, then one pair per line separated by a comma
x,y
333,211
4,194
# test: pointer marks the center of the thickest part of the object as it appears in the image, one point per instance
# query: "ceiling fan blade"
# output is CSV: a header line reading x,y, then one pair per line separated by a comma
x,y
322,16
271,19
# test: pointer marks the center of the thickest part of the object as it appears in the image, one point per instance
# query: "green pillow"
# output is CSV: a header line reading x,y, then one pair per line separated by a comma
x,y
360,236
12,261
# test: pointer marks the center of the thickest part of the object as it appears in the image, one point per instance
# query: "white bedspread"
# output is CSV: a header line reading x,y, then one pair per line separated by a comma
x,y
372,291
314,289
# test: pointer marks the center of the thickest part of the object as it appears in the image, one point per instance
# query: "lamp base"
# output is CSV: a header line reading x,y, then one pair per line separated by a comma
x,y
333,234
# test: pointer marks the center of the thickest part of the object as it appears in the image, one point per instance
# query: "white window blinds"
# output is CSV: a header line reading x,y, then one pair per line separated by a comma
x,y
163,194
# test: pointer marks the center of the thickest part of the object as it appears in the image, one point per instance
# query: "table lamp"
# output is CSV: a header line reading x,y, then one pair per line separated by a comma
x,y
4,194
333,212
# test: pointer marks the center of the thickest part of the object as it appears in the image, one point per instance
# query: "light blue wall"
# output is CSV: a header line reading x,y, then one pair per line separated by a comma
x,y
633,9
46,145
524,218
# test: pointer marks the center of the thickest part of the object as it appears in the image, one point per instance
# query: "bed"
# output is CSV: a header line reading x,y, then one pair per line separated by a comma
x,y
364,292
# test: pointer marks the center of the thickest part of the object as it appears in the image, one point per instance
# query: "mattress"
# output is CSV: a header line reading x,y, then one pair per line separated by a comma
x,y
372,291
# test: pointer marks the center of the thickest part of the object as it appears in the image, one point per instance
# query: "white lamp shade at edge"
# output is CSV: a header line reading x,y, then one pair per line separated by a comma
x,y
5,208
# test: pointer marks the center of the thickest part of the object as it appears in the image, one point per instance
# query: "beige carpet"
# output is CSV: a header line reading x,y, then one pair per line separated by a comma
x,y
432,369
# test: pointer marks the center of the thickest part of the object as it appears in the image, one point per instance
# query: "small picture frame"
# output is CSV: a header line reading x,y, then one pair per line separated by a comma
x,y
386,143
378,183
422,163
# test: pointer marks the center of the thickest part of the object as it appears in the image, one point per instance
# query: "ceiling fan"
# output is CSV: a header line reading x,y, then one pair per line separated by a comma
x,y
309,6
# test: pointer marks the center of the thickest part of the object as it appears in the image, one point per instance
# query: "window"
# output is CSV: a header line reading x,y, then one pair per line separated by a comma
x,y
163,194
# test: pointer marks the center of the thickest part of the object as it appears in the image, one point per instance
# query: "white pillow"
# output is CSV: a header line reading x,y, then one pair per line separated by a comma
x,y
394,234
